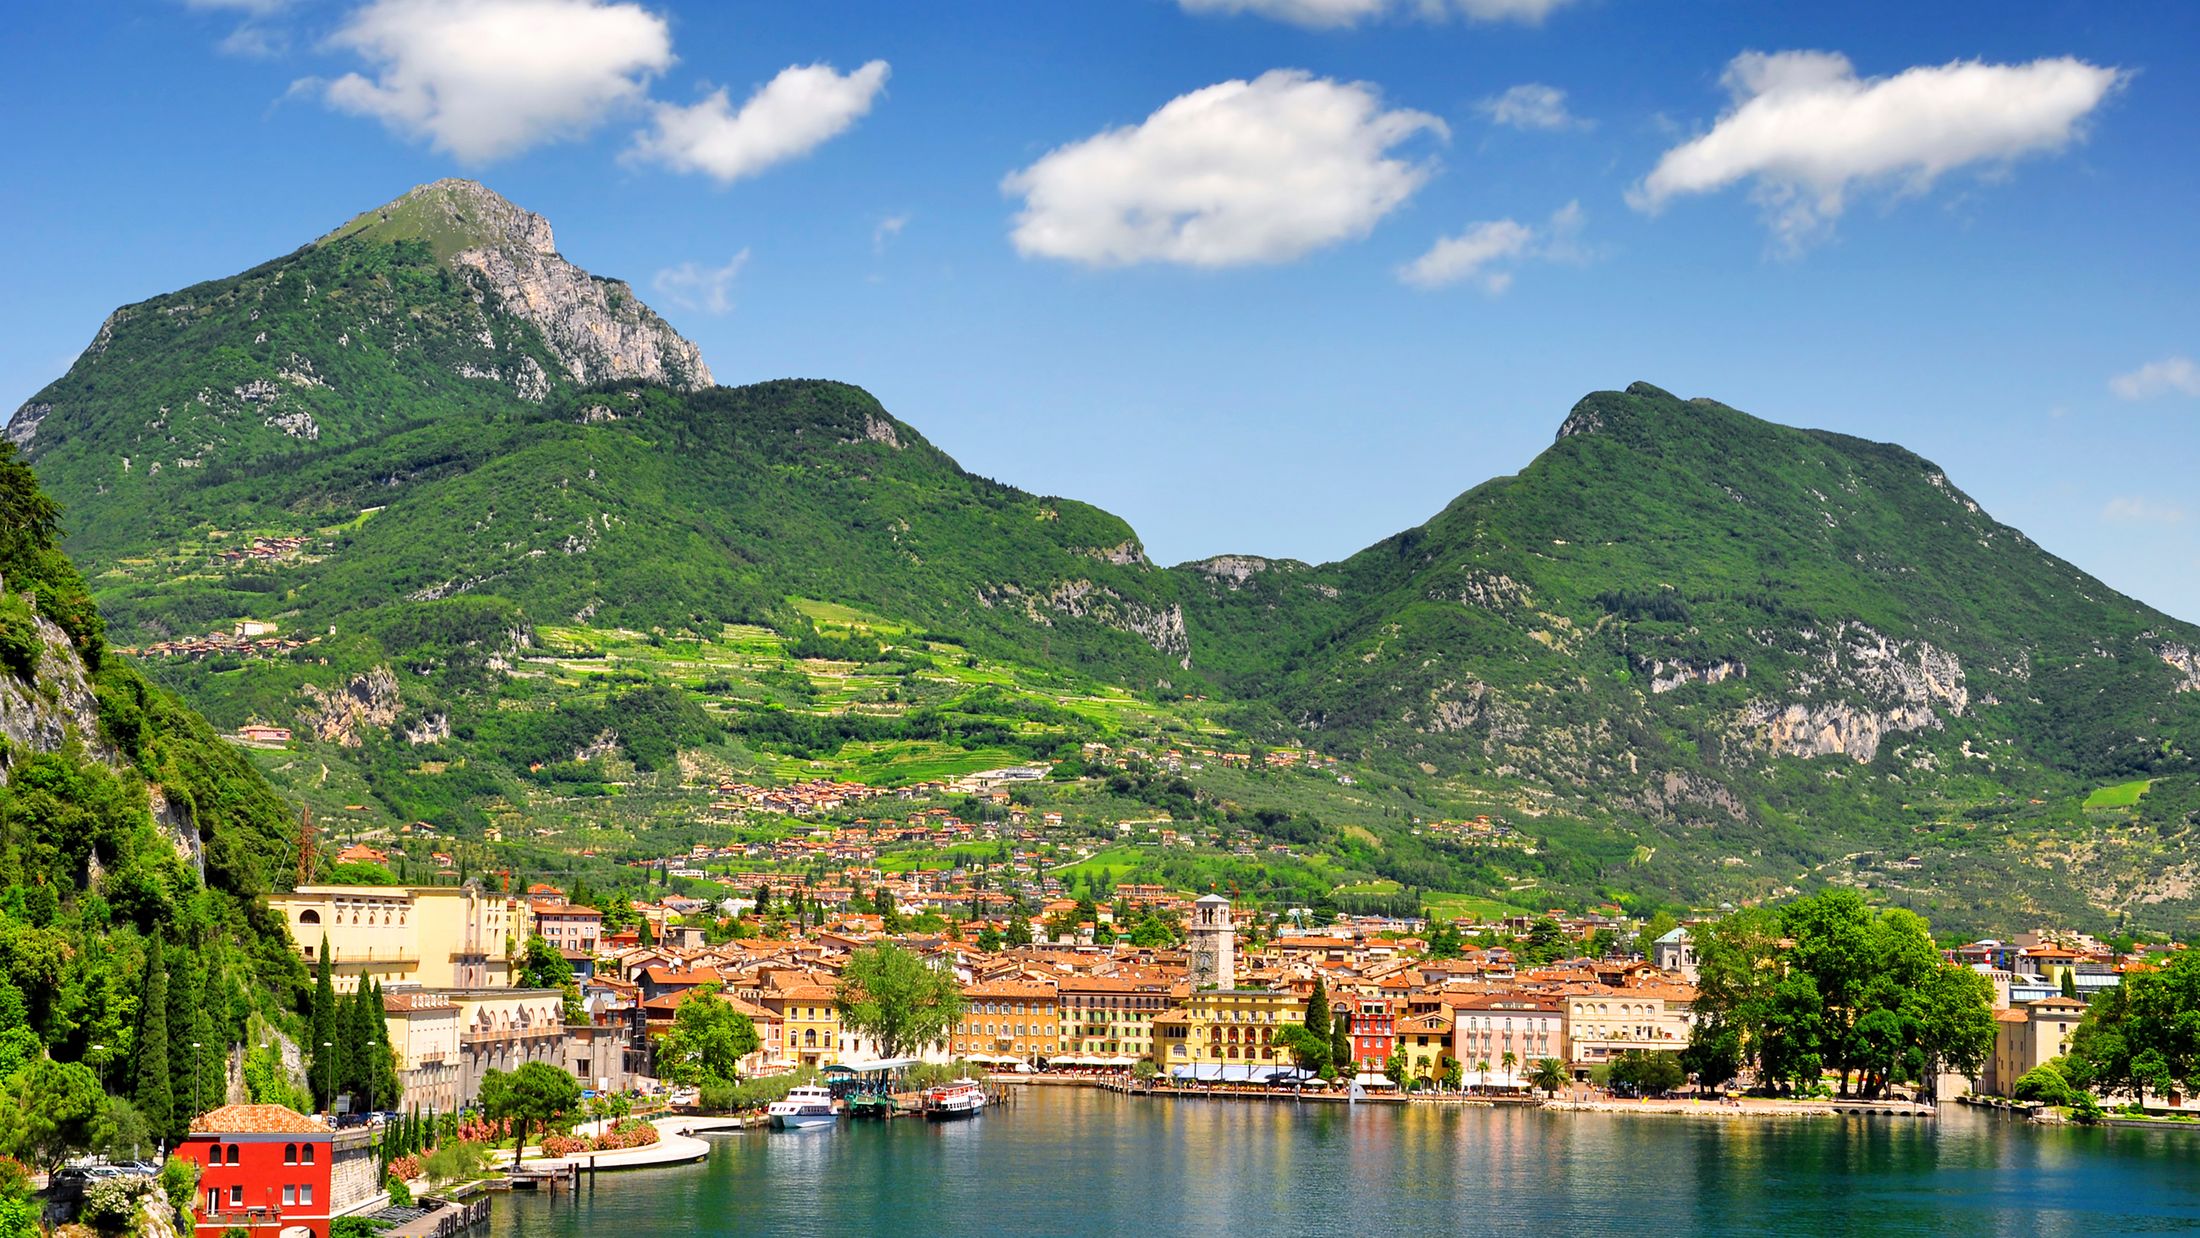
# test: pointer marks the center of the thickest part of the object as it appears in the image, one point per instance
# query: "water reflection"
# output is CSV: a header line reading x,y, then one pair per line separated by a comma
x,y
1075,1162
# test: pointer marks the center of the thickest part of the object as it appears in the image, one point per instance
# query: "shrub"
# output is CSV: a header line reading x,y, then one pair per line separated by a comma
x,y
20,645
457,1161
405,1168
179,1181
111,1205
401,1196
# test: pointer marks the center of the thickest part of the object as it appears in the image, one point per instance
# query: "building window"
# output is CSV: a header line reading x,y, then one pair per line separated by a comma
x,y
236,1194
305,1194
305,1154
233,1151
290,1195
290,1154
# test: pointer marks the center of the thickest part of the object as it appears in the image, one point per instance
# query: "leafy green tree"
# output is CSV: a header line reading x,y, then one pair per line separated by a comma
x,y
1019,930
153,1090
893,996
707,1040
989,939
48,1112
1714,1052
2045,1084
1545,942
541,966
536,1095
1311,1052
1658,925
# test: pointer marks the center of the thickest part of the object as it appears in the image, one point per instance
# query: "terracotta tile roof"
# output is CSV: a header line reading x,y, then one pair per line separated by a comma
x,y
257,1120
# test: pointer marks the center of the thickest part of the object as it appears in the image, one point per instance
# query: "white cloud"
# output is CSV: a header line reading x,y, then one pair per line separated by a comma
x,y
1235,173
708,289
1333,14
1807,131
482,79
2133,509
2177,374
887,229
1531,105
1486,252
789,116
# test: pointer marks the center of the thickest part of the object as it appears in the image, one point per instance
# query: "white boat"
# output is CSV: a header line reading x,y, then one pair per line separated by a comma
x,y
802,1108
955,1100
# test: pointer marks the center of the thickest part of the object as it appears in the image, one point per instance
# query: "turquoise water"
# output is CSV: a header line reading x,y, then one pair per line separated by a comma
x,y
1064,1161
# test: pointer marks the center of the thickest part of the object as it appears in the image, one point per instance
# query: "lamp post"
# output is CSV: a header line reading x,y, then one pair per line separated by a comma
x,y
101,1050
329,1076
196,1071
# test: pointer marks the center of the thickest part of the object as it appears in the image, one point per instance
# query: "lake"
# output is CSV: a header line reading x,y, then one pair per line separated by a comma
x,y
1072,1161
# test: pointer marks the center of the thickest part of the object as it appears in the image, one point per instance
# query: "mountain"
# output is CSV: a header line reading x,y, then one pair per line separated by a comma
x,y
522,562
1686,621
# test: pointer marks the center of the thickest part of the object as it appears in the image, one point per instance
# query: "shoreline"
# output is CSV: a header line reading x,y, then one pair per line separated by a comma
x,y
1690,1107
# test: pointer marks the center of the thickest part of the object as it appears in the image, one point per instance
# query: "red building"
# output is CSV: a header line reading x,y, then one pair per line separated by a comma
x,y
265,1169
1374,1030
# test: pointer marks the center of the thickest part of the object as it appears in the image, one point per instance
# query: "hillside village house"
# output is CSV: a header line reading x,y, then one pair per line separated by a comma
x,y
437,937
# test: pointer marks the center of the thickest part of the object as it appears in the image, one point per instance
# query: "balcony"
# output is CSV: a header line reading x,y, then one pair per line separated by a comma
x,y
396,956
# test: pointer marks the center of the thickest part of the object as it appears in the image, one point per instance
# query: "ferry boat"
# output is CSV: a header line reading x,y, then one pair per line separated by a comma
x,y
802,1108
956,1100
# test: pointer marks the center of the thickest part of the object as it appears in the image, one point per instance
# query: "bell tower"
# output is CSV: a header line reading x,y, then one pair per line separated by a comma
x,y
1213,944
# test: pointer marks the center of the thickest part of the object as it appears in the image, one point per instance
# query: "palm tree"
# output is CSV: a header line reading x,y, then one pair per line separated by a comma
x,y
1511,1060
1482,1068
1549,1075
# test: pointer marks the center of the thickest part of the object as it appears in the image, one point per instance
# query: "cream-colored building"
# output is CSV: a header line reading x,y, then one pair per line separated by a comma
x,y
437,937
424,1034
2027,1035
502,1029
1603,1023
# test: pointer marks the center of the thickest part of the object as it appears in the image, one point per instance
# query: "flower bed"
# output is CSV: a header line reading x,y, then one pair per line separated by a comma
x,y
628,1133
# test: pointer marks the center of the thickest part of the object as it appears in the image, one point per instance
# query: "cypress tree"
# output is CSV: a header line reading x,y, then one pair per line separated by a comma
x,y
321,1030
386,1085
152,1093
1317,1010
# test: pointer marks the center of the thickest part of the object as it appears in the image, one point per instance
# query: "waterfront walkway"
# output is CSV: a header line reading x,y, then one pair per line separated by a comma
x,y
676,1145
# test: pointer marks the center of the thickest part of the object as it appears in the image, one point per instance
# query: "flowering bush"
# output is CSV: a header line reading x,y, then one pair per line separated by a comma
x,y
405,1168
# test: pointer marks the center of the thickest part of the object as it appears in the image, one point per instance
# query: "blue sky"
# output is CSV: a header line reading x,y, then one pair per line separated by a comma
x,y
1230,319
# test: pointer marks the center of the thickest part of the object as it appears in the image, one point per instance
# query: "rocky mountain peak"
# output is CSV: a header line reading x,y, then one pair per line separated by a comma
x,y
598,329
451,216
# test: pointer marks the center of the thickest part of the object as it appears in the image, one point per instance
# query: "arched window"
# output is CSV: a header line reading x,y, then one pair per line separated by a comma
x,y
290,1154
233,1150
305,1154
309,916
214,1154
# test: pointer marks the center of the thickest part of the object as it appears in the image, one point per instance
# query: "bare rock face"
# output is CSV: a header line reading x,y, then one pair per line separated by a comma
x,y
432,729
1665,676
2186,662
42,716
340,716
1161,627
1231,571
1865,688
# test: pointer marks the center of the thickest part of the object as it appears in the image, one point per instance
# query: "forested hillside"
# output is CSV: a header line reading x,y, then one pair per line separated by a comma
x,y
133,844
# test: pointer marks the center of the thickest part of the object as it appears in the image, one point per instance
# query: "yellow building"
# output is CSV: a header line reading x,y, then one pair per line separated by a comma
x,y
430,936
1603,1023
809,1020
1229,1027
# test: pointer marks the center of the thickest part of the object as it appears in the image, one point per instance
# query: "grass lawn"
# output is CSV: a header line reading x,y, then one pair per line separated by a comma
x,y
2122,795
1471,906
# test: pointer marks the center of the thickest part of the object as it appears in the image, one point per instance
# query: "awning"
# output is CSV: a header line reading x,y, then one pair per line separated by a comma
x,y
1373,1080
1218,1072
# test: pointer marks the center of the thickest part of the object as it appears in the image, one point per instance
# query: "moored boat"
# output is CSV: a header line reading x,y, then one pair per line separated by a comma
x,y
802,1108
955,1100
